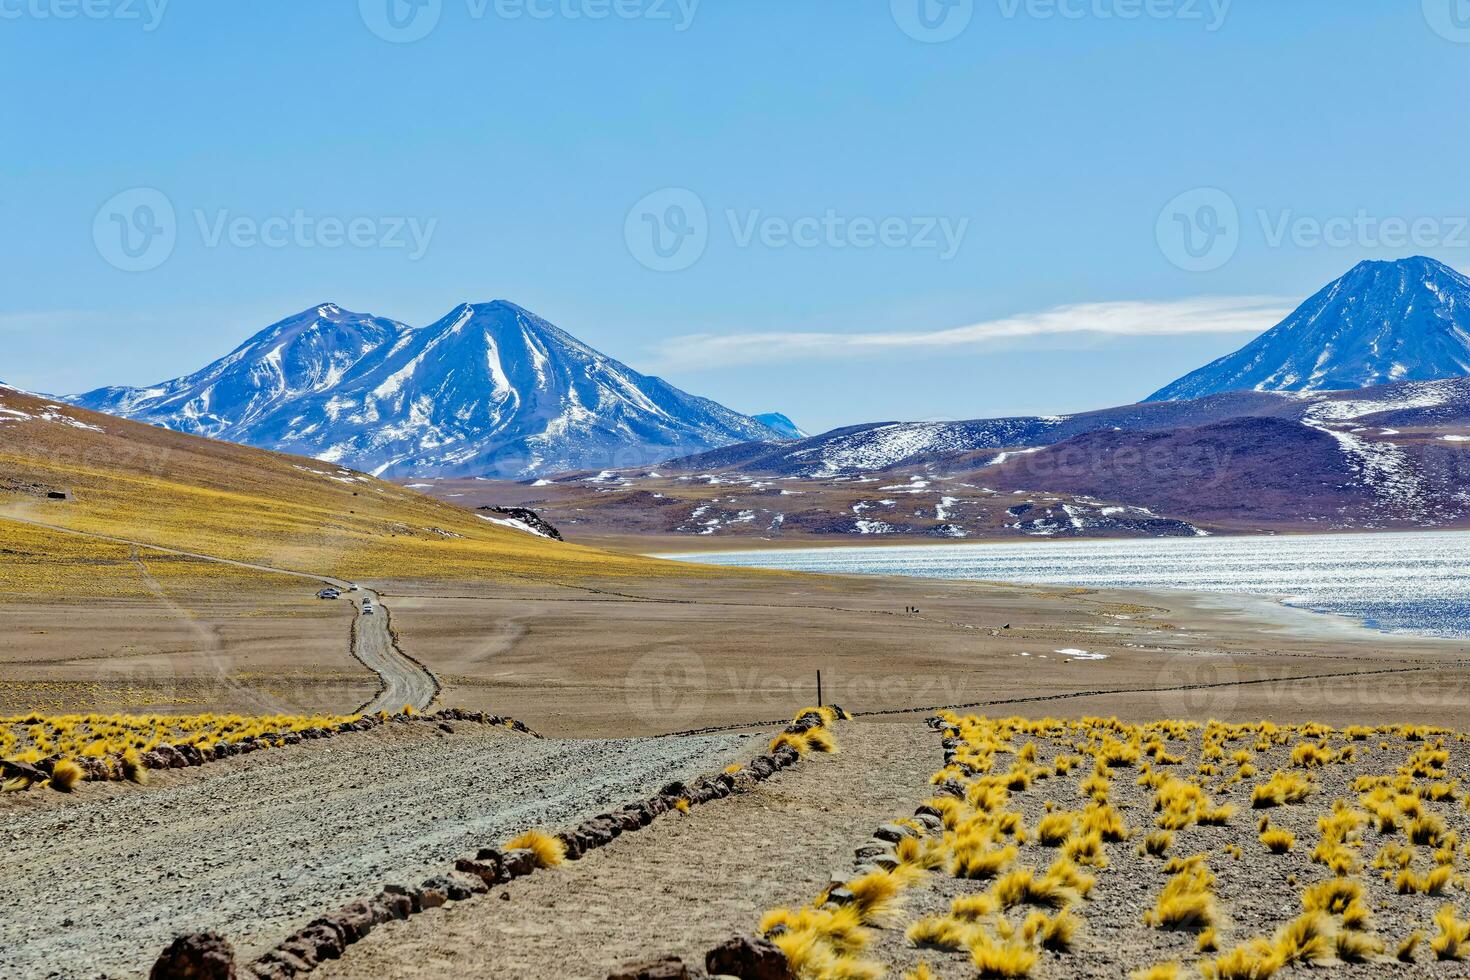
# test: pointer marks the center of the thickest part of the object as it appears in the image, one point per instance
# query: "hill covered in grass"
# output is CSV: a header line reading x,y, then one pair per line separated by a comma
x,y
70,468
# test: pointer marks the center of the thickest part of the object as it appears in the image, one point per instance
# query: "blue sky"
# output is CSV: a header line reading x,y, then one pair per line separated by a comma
x,y
873,225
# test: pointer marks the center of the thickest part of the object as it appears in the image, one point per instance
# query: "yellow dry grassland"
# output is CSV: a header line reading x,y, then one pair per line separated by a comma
x,y
37,563
144,484
1056,848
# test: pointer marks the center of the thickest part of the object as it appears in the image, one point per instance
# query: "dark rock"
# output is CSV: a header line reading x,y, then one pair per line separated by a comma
x,y
328,939
488,870
356,920
952,787
172,757
395,905
894,832
676,788
608,822
301,949
840,896
519,862
279,965
198,956
571,844
432,895
408,892
743,781
763,766
663,968
749,959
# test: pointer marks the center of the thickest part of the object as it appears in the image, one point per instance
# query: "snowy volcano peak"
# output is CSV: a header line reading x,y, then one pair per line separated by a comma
x,y
314,351
488,389
1380,323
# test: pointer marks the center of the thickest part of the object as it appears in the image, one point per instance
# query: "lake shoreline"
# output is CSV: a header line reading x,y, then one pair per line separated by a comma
x,y
1321,586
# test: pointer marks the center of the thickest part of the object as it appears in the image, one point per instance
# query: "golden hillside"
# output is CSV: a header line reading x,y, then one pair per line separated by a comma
x,y
151,485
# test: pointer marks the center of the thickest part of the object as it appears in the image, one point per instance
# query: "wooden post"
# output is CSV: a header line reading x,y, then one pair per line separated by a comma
x,y
819,688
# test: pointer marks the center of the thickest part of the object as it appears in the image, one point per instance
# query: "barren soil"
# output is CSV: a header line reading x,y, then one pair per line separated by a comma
x,y
651,657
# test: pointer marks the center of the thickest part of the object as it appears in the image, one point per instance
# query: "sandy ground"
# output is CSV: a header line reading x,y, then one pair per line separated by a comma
x,y
681,886
657,655
643,658
257,846
263,651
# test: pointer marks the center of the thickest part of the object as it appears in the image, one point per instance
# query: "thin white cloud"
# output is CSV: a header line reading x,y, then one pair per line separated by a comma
x,y
1200,315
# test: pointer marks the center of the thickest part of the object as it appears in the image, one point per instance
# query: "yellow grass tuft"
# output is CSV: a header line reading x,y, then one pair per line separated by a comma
x,y
1055,933
1278,840
941,932
1256,960
1309,938
65,775
1358,947
874,895
1449,942
1007,959
821,740
549,850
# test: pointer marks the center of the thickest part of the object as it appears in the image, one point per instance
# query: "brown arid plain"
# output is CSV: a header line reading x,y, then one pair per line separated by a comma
x,y
144,572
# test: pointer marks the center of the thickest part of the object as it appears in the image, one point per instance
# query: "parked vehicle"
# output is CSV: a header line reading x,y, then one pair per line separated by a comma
x,y
329,594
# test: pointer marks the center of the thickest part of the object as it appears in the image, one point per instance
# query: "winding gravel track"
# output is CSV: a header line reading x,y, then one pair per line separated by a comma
x,y
257,846
403,680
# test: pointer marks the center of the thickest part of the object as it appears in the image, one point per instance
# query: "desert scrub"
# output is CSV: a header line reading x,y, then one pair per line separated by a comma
x,y
1000,811
120,740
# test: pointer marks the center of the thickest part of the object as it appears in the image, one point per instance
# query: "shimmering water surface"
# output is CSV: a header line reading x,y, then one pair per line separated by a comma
x,y
1417,582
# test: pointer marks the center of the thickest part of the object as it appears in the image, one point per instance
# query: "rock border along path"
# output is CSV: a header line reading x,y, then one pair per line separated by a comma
x,y
473,874
402,679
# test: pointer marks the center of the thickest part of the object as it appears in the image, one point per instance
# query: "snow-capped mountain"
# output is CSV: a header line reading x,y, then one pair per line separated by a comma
x,y
1382,322
489,390
781,425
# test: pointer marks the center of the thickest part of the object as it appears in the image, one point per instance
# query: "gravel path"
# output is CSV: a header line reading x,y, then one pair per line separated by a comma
x,y
257,846
404,681
680,886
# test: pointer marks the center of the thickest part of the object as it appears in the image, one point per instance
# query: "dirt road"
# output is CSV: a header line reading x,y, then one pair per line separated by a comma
x,y
258,845
404,681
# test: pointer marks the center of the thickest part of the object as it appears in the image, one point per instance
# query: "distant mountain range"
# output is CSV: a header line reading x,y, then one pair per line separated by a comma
x,y
1394,456
489,390
1382,322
